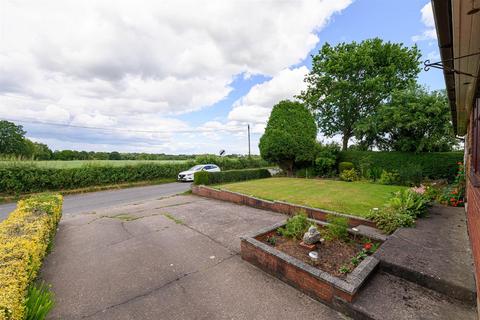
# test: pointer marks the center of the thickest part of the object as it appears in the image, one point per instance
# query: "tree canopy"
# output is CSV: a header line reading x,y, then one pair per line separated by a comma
x,y
12,139
349,81
413,120
290,135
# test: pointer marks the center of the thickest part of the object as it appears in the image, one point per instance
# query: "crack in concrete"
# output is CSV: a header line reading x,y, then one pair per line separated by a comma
x,y
146,294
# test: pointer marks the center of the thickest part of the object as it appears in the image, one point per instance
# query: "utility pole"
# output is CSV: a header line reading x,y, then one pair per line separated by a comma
x,y
248,127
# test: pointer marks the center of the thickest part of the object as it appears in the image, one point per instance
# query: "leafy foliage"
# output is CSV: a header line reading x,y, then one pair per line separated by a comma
x,y
345,166
413,120
410,166
39,302
337,227
326,156
348,82
22,178
24,239
207,178
12,139
400,211
389,177
296,226
349,175
454,194
290,136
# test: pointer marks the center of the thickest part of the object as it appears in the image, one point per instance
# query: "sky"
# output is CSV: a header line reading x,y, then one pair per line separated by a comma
x,y
178,76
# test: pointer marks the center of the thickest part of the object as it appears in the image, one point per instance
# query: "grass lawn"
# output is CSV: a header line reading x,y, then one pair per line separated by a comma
x,y
355,198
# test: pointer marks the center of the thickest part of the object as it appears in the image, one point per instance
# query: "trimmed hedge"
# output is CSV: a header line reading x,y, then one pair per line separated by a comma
x,y
19,178
411,167
207,178
24,239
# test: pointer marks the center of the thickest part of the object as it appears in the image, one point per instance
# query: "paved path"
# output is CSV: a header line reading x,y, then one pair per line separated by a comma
x,y
88,202
174,258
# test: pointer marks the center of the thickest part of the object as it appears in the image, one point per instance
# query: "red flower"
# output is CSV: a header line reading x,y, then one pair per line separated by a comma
x,y
367,246
453,199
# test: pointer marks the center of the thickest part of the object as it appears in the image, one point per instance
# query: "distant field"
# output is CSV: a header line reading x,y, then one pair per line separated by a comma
x,y
79,163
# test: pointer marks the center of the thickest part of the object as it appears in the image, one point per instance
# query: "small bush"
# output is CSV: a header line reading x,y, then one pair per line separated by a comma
x,y
349,175
337,227
24,239
454,194
388,219
296,226
201,177
389,178
207,178
400,211
325,158
345,166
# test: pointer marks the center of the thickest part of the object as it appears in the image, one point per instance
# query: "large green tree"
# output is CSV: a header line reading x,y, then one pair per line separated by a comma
x,y
290,135
413,120
350,80
12,139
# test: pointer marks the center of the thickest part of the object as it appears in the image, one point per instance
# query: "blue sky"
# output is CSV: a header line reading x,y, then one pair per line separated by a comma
x,y
178,77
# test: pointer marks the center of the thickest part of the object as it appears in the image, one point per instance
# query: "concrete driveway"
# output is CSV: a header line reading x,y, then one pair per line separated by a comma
x,y
174,258
92,201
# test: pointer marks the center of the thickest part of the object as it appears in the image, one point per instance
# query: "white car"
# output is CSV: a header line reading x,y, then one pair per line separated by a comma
x,y
188,175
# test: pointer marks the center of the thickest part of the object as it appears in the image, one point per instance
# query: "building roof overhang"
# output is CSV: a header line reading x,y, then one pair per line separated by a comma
x,y
458,35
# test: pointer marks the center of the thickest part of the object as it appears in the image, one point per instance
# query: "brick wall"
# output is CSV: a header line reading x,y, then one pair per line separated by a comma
x,y
288,273
473,221
276,206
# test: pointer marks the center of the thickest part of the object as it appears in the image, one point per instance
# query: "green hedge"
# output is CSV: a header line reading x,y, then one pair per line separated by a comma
x,y
207,178
19,178
411,167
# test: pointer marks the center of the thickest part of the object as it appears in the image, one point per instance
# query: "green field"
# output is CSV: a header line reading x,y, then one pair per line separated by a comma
x,y
355,198
78,163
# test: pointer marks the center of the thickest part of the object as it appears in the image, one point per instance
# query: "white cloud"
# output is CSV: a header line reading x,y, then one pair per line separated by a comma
x,y
256,105
111,63
427,19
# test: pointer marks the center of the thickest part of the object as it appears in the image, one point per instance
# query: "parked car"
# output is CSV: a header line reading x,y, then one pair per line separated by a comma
x,y
188,175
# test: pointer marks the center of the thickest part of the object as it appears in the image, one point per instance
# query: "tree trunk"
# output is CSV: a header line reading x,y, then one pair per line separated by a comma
x,y
345,142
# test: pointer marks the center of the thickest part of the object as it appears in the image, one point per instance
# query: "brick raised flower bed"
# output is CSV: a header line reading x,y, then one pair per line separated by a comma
x,y
311,280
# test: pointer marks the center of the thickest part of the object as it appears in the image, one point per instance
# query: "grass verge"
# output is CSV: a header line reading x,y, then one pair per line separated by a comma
x,y
355,198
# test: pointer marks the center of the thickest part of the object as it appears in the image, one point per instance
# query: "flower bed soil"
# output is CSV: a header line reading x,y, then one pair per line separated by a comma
x,y
332,255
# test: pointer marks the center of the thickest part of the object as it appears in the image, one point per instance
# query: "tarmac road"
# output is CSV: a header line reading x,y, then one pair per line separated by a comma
x,y
92,201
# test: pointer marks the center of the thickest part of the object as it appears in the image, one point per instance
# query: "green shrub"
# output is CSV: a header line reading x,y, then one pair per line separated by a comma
x,y
231,176
409,203
349,175
325,158
39,302
201,177
296,226
410,166
388,219
389,178
400,211
21,177
337,227
453,195
24,240
345,166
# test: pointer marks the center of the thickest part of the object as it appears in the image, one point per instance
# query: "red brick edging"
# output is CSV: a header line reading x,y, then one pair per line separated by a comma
x,y
276,206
